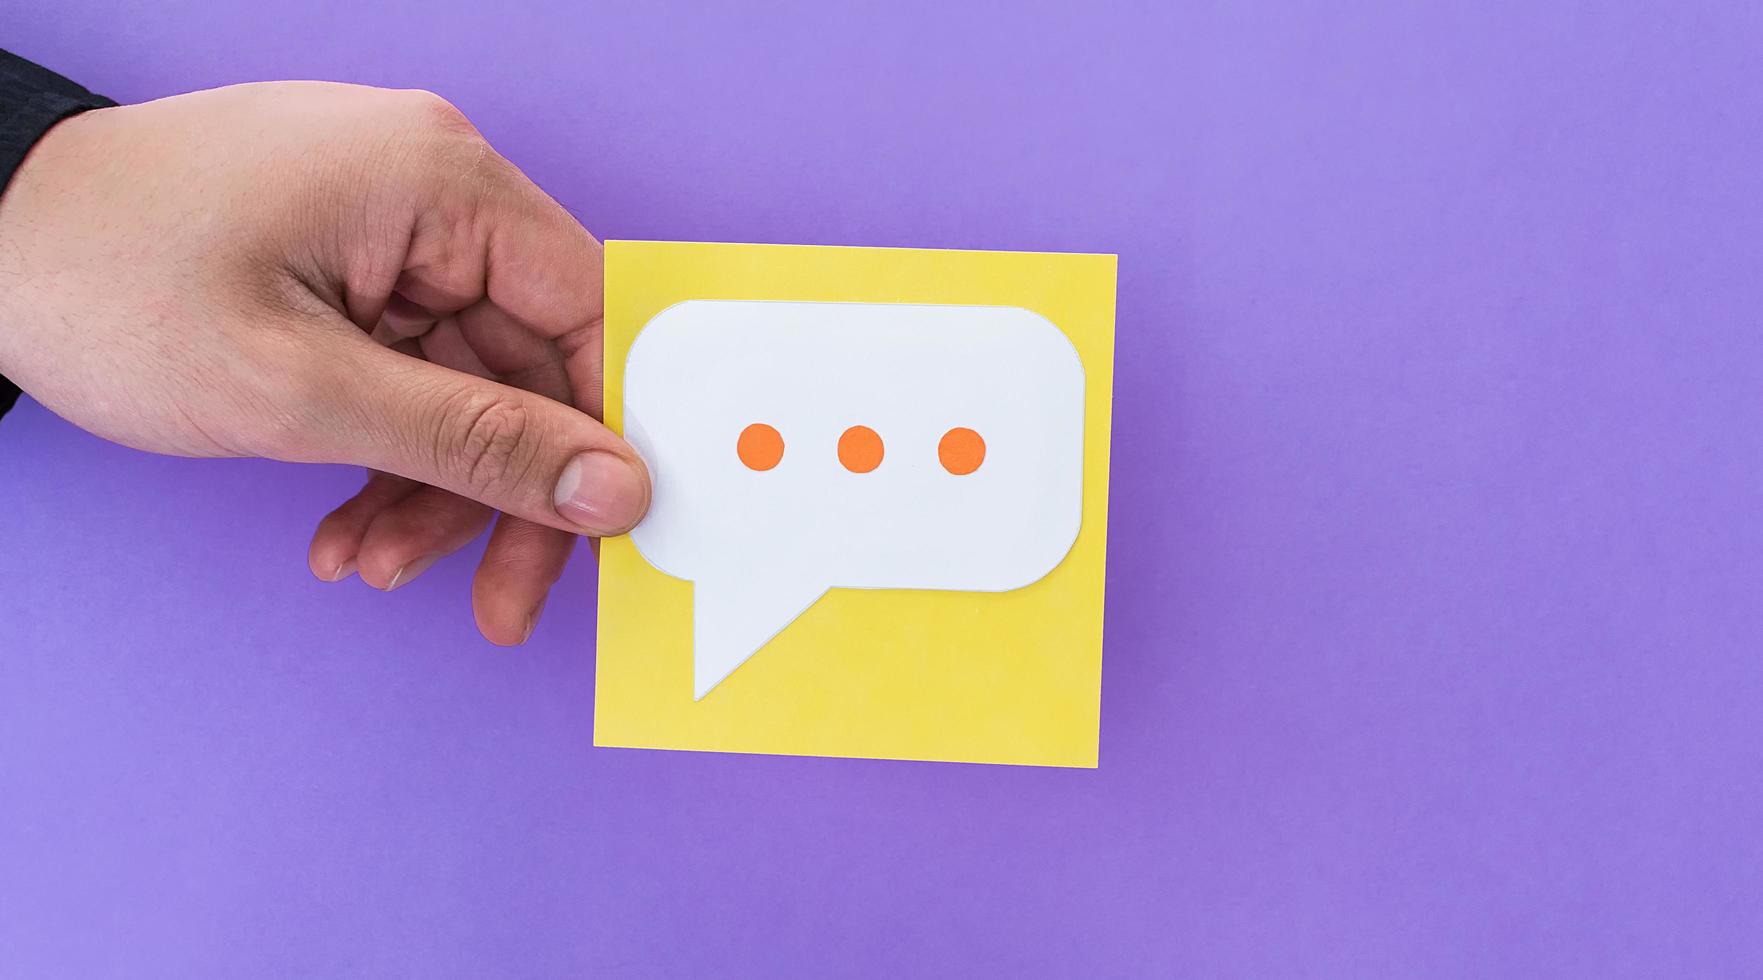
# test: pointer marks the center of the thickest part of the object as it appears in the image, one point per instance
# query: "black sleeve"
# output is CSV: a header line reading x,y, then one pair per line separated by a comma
x,y
31,100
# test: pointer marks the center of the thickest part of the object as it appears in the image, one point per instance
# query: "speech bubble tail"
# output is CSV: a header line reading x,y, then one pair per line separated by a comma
x,y
731,621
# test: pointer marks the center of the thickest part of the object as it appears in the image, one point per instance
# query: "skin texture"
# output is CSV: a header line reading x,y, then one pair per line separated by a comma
x,y
328,273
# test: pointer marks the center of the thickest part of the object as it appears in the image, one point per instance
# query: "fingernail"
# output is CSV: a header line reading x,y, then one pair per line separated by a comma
x,y
600,493
343,571
410,571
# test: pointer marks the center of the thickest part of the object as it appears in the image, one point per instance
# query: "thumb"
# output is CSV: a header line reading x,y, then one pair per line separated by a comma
x,y
519,452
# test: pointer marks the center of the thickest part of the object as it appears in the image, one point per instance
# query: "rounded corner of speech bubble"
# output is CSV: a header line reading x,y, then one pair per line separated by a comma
x,y
647,332
762,547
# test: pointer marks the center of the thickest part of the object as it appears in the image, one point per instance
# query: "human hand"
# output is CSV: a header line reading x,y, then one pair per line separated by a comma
x,y
328,273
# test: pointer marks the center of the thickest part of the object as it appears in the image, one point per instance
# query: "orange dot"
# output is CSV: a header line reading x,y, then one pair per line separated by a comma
x,y
759,446
961,451
860,449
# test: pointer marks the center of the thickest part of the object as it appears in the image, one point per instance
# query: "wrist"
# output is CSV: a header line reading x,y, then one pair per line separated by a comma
x,y
30,191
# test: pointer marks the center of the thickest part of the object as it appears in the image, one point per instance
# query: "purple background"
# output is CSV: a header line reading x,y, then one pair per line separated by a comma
x,y
1435,642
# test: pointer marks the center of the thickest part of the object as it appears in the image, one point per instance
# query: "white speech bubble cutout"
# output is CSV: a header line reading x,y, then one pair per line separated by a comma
x,y
761,546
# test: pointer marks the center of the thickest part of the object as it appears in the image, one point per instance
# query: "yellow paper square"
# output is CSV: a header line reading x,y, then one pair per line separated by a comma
x,y
1001,677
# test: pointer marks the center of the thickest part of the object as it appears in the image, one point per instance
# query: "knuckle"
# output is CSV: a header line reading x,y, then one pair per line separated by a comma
x,y
435,130
441,144
425,108
490,446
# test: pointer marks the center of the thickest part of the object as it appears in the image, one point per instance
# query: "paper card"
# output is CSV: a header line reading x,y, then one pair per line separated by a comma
x,y
880,513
